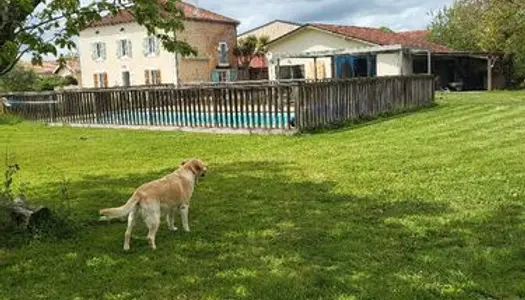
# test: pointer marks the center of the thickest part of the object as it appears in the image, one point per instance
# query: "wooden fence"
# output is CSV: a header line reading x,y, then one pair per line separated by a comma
x,y
267,106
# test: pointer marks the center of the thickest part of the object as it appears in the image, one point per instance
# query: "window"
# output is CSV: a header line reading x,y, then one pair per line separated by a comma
x,y
224,59
124,48
126,78
99,51
291,72
152,77
100,80
151,46
223,76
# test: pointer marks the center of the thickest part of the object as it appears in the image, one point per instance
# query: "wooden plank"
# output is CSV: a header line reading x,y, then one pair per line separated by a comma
x,y
259,103
130,107
268,110
215,102
166,115
156,107
235,108
90,118
190,104
245,108
118,107
198,108
189,98
292,98
108,101
160,106
182,108
229,107
176,108
170,100
251,106
81,118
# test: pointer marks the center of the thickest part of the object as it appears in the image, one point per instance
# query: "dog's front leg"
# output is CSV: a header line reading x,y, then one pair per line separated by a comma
x,y
184,209
170,219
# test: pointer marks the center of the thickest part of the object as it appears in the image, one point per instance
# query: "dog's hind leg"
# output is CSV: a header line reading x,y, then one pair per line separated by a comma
x,y
184,209
131,223
152,220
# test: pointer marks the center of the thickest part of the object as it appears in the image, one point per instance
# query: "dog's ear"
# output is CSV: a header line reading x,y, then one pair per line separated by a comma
x,y
183,162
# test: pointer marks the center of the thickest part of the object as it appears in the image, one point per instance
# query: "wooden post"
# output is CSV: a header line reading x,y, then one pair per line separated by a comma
x,y
369,66
334,71
429,63
490,65
315,68
278,70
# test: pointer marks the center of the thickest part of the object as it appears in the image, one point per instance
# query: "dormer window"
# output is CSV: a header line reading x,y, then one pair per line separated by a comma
x,y
224,58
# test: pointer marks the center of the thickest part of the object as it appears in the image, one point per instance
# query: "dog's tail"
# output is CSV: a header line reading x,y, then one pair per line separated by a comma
x,y
118,212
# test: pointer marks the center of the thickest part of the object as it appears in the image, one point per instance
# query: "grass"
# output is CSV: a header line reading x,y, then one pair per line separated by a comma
x,y
423,206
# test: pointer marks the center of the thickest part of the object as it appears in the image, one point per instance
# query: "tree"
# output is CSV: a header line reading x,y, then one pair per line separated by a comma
x,y
483,25
49,83
386,29
42,27
251,47
19,80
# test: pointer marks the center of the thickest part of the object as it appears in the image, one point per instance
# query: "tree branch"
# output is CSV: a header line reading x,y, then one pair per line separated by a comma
x,y
34,26
14,62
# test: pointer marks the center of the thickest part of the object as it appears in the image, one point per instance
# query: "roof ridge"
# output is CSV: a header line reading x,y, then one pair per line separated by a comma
x,y
125,16
268,23
208,11
383,38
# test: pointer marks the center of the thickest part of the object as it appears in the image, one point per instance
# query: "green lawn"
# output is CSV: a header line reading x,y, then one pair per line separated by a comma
x,y
420,206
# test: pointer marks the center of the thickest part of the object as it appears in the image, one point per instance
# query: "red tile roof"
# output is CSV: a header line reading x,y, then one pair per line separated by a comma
x,y
191,12
416,34
382,38
46,68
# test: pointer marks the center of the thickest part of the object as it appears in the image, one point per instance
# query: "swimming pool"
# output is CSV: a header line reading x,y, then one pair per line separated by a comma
x,y
205,119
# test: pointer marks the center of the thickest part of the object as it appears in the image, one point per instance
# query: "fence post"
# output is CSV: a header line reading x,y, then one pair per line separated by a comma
x,y
50,106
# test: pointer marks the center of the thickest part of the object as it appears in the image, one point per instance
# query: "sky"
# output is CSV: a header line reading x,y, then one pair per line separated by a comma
x,y
395,14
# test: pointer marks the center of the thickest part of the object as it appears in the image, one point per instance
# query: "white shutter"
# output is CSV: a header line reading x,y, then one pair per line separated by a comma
x,y
94,51
119,49
130,48
145,46
103,50
157,46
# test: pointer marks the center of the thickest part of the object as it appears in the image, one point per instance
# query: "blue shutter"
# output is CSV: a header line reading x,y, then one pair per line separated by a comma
x,y
215,76
233,75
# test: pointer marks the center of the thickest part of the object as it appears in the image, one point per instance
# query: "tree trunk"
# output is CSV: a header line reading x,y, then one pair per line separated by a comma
x,y
28,218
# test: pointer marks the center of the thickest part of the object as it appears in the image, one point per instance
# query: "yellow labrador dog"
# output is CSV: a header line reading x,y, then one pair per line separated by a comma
x,y
161,197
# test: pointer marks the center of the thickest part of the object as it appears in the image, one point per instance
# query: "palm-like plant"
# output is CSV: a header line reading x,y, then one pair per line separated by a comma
x,y
251,47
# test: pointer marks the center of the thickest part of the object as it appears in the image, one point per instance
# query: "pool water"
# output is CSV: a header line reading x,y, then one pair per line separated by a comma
x,y
222,119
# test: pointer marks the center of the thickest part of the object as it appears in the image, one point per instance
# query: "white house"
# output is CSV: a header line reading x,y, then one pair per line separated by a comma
x,y
273,30
116,51
323,37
